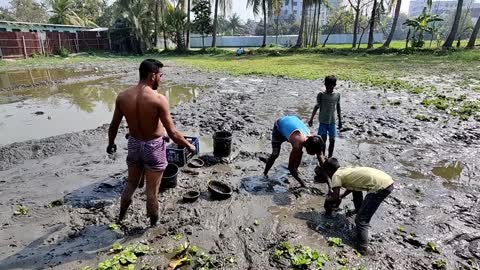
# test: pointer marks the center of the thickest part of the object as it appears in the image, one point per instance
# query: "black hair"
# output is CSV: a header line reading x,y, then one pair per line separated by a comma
x,y
149,66
330,80
331,165
314,144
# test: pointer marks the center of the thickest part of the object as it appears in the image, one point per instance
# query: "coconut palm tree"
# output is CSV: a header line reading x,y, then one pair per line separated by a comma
x,y
453,33
305,5
234,24
64,13
257,5
398,5
224,5
473,37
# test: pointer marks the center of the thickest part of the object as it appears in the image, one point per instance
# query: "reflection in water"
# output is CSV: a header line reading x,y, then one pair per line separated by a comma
x,y
68,108
14,78
449,171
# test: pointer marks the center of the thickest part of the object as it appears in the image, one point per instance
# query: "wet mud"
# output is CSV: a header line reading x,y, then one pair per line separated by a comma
x,y
435,166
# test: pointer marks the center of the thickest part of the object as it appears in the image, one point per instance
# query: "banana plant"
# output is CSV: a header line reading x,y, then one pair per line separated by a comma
x,y
420,25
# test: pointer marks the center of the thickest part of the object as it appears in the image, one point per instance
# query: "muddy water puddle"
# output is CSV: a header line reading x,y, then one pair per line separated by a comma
x,y
40,112
11,79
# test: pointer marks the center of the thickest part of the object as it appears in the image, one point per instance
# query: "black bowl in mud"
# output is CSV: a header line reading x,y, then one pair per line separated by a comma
x,y
191,196
219,190
169,178
196,163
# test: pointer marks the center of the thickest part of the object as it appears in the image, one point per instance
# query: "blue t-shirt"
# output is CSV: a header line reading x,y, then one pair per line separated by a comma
x,y
291,123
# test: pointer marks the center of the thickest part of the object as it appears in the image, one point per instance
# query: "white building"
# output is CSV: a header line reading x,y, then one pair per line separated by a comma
x,y
443,8
294,7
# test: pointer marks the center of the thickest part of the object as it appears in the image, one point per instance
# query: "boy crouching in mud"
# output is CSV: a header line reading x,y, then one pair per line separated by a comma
x,y
355,180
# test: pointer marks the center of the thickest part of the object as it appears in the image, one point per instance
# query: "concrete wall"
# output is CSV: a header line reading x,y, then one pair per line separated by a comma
x,y
286,40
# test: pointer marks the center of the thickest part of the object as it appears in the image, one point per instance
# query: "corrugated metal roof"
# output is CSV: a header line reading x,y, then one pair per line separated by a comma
x,y
44,24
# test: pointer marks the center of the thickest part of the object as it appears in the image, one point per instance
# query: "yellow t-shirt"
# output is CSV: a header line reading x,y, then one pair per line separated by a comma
x,y
361,179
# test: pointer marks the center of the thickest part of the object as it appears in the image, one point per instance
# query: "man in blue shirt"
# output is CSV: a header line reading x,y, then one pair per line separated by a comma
x,y
290,128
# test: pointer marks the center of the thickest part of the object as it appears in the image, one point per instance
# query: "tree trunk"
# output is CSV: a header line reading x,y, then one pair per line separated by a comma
x,y
264,7
302,25
156,23
451,37
187,45
394,25
278,23
372,25
162,7
361,36
307,25
203,41
215,22
473,37
406,40
314,23
355,25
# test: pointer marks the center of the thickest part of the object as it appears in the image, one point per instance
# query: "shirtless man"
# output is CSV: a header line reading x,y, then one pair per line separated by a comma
x,y
148,117
291,129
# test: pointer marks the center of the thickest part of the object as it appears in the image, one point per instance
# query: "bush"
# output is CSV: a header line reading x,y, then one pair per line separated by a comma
x,y
63,52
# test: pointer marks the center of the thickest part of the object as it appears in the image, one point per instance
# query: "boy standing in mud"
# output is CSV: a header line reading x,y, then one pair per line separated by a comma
x,y
149,121
327,103
355,180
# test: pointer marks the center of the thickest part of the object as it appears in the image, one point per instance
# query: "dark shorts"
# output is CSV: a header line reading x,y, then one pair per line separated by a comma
x,y
152,155
327,129
277,139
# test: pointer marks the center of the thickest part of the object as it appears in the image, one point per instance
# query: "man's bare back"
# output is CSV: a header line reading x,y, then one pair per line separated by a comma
x,y
143,108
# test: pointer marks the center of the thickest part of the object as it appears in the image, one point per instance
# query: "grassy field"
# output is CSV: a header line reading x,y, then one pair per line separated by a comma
x,y
374,68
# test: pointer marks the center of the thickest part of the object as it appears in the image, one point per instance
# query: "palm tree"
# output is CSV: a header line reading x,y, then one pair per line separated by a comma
x,y
473,37
256,10
64,13
305,5
453,33
372,24
394,24
138,15
235,23
225,5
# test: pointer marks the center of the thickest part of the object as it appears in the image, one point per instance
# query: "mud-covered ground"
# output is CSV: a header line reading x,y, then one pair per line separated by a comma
x,y
435,166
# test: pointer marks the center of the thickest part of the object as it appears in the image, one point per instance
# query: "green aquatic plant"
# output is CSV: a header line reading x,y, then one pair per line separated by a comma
x,y
300,256
430,247
178,237
335,242
125,258
113,227
401,229
256,222
439,264
21,210
116,247
342,261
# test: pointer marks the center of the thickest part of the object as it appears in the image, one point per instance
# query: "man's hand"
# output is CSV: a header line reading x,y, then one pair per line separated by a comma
x,y
192,148
310,123
112,148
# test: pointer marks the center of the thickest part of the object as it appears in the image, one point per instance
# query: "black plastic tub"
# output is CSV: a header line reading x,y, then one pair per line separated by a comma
x,y
219,190
169,178
222,144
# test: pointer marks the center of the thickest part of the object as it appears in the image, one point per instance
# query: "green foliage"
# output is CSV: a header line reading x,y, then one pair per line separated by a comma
x,y
63,52
421,24
430,247
175,25
401,229
21,210
86,268
178,237
256,222
27,11
335,241
113,227
439,264
342,261
425,118
124,256
300,256
202,24
65,12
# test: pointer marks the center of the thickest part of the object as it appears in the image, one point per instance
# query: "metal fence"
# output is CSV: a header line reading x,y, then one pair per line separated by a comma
x,y
26,44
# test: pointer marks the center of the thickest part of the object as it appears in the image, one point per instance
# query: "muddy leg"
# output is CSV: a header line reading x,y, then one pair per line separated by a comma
x,y
324,139
369,206
331,146
271,160
132,184
153,184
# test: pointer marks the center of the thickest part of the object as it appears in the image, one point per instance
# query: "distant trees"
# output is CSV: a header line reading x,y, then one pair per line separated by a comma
x,y
202,24
451,37
473,37
27,11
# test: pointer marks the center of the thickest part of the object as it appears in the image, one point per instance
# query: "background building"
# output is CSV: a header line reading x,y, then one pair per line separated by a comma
x,y
443,8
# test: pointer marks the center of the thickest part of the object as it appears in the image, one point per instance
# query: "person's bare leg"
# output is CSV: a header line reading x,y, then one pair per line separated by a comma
x,y
271,160
142,179
153,180
132,184
331,146
324,139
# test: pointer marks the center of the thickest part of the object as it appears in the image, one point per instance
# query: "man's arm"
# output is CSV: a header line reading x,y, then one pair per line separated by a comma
x,y
167,122
339,112
336,194
294,162
113,129
314,112
346,193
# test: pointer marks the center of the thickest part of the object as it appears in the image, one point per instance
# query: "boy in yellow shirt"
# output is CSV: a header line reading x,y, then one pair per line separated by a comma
x,y
355,180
